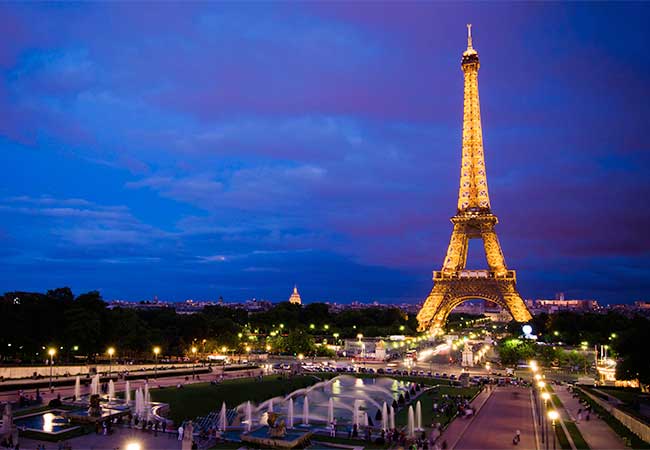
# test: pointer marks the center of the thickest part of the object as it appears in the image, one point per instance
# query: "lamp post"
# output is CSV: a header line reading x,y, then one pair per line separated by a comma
x,y
360,336
51,352
156,351
553,415
111,352
193,360
545,396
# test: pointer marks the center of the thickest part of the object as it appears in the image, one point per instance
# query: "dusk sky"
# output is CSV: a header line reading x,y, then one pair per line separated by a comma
x,y
236,149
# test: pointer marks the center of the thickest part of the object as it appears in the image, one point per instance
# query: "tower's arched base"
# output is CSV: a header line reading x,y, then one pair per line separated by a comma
x,y
450,291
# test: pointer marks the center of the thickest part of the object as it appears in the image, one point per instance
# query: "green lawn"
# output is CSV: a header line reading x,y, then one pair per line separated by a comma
x,y
199,399
629,396
427,399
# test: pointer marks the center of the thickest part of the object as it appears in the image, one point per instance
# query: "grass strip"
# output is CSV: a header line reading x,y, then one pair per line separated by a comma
x,y
577,437
561,437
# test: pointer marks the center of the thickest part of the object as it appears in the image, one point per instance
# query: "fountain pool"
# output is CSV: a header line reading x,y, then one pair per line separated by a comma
x,y
51,422
339,399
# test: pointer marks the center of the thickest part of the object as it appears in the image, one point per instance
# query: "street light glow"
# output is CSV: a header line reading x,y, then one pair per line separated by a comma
x,y
546,396
553,415
110,351
51,352
133,446
156,350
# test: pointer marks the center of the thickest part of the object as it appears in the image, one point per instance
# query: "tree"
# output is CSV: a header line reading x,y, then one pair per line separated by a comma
x,y
297,341
631,346
511,351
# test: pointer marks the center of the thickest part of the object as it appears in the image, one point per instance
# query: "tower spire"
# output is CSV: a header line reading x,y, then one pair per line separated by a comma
x,y
473,191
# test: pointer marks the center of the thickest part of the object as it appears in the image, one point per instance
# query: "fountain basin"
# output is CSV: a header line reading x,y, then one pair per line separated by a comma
x,y
261,438
52,422
83,416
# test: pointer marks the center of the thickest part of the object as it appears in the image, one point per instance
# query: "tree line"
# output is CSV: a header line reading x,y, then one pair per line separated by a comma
x,y
83,327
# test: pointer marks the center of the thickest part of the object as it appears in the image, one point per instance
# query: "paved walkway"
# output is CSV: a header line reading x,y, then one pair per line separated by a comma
x,y
597,434
118,440
506,410
458,426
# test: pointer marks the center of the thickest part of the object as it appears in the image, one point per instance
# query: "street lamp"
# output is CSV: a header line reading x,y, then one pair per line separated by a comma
x,y
546,397
553,415
193,360
111,352
156,351
51,352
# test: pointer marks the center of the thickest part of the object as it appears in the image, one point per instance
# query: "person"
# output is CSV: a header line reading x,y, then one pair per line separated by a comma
x,y
164,426
518,436
180,433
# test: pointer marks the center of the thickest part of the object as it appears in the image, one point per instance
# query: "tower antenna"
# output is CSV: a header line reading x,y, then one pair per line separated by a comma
x,y
469,36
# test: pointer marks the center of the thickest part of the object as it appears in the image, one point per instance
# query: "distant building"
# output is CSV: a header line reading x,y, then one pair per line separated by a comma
x,y
295,297
562,304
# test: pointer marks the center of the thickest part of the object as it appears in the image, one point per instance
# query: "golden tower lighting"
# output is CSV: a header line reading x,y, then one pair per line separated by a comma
x,y
473,220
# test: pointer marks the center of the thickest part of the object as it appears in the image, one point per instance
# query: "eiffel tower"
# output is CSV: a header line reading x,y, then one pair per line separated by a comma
x,y
455,284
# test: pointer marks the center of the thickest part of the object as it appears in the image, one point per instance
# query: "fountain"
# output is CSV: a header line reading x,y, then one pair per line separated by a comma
x,y
127,392
305,411
77,389
344,397
418,416
94,385
249,416
139,403
223,421
111,390
290,414
410,427
275,435
146,401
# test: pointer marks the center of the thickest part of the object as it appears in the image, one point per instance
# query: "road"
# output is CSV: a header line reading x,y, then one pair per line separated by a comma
x,y
507,410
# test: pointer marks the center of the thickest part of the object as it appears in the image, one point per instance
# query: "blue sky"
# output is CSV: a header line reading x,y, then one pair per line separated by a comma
x,y
206,149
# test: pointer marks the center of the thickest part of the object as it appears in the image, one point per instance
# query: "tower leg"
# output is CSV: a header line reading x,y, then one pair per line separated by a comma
x,y
456,258
493,253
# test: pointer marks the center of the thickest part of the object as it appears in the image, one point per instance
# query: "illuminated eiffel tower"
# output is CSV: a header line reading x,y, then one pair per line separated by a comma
x,y
455,284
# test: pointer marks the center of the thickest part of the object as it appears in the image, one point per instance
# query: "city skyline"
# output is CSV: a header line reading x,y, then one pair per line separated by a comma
x,y
237,150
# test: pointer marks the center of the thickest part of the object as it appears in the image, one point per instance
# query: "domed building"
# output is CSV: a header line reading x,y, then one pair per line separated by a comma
x,y
295,297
